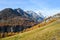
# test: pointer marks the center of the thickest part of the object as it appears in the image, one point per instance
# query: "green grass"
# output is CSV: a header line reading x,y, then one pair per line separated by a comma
x,y
49,32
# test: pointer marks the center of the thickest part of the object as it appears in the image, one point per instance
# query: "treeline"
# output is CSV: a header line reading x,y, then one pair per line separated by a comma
x,y
9,30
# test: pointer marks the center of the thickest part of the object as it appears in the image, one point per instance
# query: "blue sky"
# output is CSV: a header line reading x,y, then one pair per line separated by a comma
x,y
46,7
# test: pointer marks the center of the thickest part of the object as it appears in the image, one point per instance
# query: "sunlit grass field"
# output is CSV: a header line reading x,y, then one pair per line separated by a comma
x,y
48,32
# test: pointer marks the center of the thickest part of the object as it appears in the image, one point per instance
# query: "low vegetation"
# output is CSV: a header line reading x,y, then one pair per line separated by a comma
x,y
48,32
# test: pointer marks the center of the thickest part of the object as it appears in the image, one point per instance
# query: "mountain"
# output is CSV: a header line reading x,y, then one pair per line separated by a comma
x,y
7,13
35,16
9,16
17,20
30,15
21,12
11,13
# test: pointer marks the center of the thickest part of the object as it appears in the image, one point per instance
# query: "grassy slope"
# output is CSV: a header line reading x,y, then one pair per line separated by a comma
x,y
49,32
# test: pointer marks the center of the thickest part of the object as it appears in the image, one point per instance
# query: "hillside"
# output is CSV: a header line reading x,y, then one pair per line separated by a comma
x,y
16,20
48,32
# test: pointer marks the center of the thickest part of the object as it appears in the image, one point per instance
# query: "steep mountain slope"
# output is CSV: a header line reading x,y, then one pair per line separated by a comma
x,y
21,12
35,16
13,15
48,32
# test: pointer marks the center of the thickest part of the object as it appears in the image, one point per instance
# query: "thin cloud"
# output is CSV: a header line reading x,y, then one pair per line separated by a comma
x,y
49,12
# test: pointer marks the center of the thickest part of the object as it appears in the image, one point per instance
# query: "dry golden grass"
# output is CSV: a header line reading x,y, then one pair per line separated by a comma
x,y
48,32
